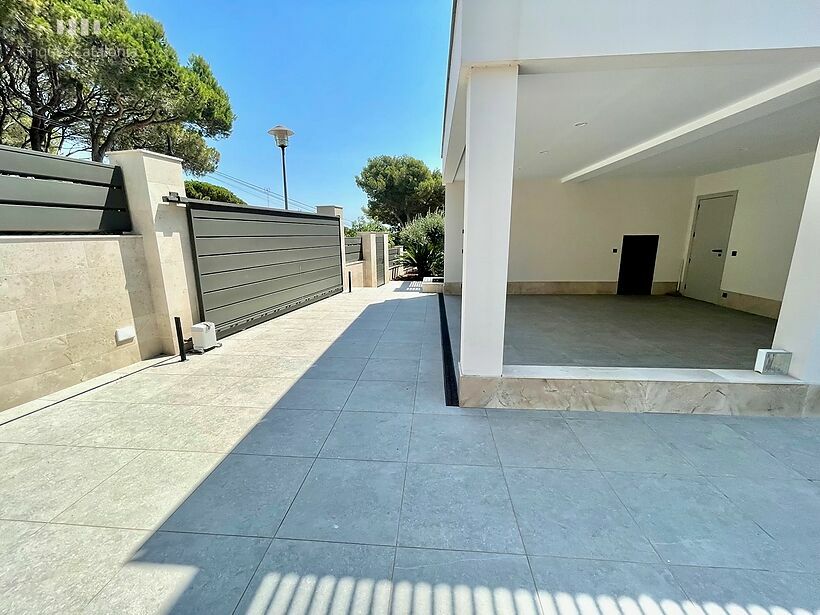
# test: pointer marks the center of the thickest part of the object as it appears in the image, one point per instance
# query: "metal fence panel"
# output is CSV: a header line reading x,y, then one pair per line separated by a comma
x,y
379,260
254,264
42,193
353,249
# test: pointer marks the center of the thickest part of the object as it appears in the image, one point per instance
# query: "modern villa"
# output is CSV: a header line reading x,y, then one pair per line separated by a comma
x,y
633,203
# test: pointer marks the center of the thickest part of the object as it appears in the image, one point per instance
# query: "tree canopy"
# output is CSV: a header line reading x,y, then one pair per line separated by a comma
x,y
400,188
363,224
88,74
206,191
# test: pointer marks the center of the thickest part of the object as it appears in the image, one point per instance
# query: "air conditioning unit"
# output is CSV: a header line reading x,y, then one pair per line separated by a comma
x,y
203,335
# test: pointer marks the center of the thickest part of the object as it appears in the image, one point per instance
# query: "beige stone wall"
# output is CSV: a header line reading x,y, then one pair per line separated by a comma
x,y
357,270
61,300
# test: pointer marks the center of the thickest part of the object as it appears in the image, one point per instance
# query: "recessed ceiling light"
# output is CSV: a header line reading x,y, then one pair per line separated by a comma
x,y
743,149
544,151
580,124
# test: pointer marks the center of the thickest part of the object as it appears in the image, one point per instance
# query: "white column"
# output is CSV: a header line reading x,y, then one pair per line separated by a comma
x,y
798,327
337,212
148,177
453,236
491,104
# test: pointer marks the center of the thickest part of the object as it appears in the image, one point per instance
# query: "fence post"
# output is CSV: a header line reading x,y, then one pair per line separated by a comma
x,y
338,212
148,177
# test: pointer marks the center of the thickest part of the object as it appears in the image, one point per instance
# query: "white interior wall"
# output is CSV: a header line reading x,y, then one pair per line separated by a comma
x,y
566,232
767,215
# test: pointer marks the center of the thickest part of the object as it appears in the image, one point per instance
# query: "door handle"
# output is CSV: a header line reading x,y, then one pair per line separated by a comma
x,y
718,251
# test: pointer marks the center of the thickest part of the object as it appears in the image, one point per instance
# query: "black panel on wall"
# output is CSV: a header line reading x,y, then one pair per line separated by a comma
x,y
638,256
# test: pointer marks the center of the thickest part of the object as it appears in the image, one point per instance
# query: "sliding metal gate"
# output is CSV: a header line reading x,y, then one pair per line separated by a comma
x,y
254,264
380,260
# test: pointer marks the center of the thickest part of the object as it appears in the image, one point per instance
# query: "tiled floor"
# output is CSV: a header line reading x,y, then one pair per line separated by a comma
x,y
310,466
619,331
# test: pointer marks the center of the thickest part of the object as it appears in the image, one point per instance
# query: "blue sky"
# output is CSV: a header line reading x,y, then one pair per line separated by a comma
x,y
353,79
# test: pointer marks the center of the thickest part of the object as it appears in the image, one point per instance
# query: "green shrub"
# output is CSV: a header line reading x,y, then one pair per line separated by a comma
x,y
423,241
363,224
196,189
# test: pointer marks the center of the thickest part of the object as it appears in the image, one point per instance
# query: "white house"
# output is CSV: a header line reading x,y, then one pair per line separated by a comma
x,y
649,147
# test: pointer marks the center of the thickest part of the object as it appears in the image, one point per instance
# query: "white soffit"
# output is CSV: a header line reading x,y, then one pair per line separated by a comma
x,y
628,111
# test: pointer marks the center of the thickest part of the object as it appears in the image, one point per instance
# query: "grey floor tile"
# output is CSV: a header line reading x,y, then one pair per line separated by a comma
x,y
336,368
792,442
347,501
629,446
395,370
61,567
183,573
715,449
397,350
283,431
786,509
458,507
41,482
375,436
317,394
465,440
361,349
527,441
750,591
651,588
430,400
299,577
691,523
374,396
246,495
253,392
14,533
144,492
571,513
435,581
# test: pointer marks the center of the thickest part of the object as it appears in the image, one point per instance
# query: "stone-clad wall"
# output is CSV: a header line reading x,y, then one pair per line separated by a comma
x,y
61,300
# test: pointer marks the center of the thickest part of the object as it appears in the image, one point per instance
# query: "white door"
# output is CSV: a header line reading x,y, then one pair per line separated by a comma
x,y
710,242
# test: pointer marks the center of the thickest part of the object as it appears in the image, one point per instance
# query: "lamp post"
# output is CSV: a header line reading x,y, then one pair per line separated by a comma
x,y
281,134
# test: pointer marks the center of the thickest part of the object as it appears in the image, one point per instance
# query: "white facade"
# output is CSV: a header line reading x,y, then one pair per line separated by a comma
x,y
570,125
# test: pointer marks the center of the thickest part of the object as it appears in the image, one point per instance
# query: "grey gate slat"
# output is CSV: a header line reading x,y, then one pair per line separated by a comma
x,y
265,306
233,262
231,245
255,264
44,219
380,260
228,279
235,294
211,227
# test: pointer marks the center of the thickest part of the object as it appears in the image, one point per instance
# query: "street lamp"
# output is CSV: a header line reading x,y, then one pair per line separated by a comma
x,y
281,134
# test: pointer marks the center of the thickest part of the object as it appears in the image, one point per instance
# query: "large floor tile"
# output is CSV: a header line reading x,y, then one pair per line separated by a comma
x,y
282,431
452,439
691,523
397,350
347,501
458,507
182,573
462,583
395,370
336,368
317,394
300,577
246,495
794,443
61,567
376,436
533,441
715,449
255,392
572,513
136,387
598,584
144,492
629,446
13,533
749,591
62,423
374,396
41,482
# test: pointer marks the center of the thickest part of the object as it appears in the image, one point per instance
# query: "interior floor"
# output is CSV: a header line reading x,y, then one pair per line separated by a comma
x,y
631,331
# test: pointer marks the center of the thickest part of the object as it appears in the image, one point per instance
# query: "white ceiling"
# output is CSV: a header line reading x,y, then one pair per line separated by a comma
x,y
624,107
